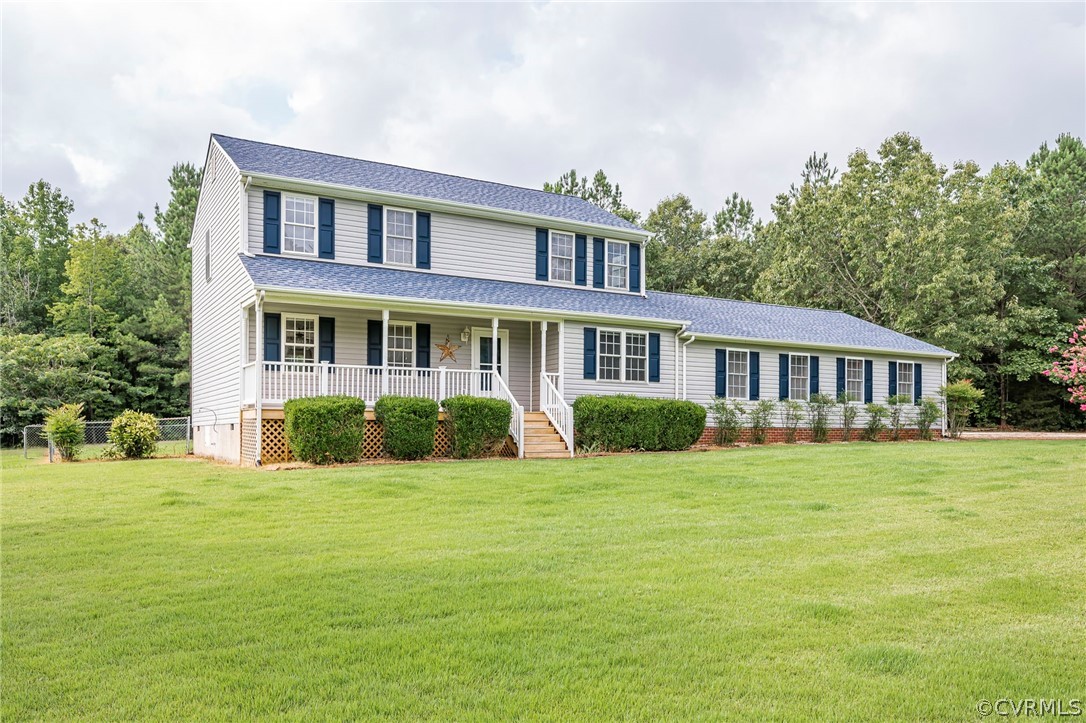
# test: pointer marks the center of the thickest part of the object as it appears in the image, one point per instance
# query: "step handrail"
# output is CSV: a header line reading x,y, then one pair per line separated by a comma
x,y
516,423
558,412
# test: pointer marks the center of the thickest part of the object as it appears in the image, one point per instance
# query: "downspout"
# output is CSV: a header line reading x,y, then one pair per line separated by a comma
x,y
943,396
259,372
686,344
678,335
243,213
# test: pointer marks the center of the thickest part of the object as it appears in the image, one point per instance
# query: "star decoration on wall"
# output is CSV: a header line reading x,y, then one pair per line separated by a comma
x,y
448,350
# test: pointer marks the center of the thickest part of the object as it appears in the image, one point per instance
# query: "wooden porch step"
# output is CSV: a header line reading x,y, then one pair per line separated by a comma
x,y
541,439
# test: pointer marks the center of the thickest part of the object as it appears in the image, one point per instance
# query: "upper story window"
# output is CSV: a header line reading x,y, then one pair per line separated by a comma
x,y
400,236
401,344
299,224
854,379
299,339
617,264
905,379
622,355
799,378
561,256
738,373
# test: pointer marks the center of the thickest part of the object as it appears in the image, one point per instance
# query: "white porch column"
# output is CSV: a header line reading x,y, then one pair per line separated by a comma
x,y
384,351
493,354
542,360
259,405
562,358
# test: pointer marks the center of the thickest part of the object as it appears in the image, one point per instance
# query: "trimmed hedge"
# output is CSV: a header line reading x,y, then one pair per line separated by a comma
x,y
409,425
621,422
325,430
477,425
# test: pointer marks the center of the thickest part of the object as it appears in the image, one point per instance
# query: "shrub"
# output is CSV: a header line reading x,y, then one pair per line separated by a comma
x,y
818,412
876,413
619,422
409,425
761,414
325,430
928,414
728,420
791,416
478,425
898,404
65,427
848,416
962,399
132,435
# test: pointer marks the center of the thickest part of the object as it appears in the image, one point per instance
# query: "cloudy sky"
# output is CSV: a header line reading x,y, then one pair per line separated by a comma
x,y
703,99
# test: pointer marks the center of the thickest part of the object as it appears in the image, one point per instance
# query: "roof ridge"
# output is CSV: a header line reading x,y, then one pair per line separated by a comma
x,y
418,170
752,303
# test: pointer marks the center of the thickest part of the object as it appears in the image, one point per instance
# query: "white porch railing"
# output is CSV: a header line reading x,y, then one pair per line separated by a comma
x,y
281,381
554,406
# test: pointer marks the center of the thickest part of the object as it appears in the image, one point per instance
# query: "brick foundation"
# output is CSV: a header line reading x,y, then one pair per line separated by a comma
x,y
777,435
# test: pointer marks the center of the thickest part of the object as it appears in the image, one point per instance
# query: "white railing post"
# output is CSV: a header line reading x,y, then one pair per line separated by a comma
x,y
441,383
324,379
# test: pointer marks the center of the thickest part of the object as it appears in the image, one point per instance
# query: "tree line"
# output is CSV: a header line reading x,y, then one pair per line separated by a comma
x,y
991,265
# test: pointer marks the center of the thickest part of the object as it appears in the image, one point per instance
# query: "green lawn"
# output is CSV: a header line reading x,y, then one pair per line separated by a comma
x,y
847,581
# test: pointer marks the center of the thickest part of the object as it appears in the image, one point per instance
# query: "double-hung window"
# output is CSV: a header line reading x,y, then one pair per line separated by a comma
x,y
905,379
738,374
401,344
299,339
637,356
854,379
799,376
299,224
400,236
610,356
623,355
617,264
561,256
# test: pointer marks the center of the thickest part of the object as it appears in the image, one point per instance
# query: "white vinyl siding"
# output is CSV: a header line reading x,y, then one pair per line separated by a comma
x,y
561,256
799,381
905,379
399,237
618,255
299,224
854,379
572,355
738,374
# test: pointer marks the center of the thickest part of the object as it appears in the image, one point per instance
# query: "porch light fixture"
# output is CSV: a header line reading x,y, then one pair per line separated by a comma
x,y
465,334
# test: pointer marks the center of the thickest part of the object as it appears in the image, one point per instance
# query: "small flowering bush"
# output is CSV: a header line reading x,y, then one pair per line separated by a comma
x,y
1070,368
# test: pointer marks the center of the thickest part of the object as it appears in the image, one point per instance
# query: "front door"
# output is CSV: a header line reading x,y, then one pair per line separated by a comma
x,y
483,358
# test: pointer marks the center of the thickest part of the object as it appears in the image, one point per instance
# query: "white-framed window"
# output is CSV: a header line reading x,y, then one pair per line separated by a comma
x,y
854,379
799,376
400,236
618,263
622,355
401,344
299,224
905,379
738,374
561,256
299,339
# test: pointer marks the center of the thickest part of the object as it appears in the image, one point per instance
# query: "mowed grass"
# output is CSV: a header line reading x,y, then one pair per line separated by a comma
x,y
851,582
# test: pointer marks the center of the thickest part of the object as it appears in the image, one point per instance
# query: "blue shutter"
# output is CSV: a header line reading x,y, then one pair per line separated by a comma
x,y
542,241
892,386
635,267
918,383
422,240
755,366
814,374
590,352
327,337
785,377
326,244
722,372
271,223
376,234
375,329
840,376
869,383
598,249
654,357
580,261
272,333
422,346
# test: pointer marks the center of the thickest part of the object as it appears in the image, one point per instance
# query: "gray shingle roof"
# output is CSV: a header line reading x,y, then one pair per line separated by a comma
x,y
705,315
265,158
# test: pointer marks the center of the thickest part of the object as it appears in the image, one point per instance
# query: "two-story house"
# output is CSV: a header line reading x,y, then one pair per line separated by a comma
x,y
320,274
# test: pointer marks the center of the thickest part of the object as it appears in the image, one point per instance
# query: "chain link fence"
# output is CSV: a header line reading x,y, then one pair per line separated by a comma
x,y
174,437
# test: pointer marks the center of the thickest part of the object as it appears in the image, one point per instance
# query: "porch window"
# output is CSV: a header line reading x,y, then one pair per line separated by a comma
x,y
799,377
637,357
400,236
401,345
905,379
738,373
610,356
617,264
299,224
854,379
561,256
299,339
